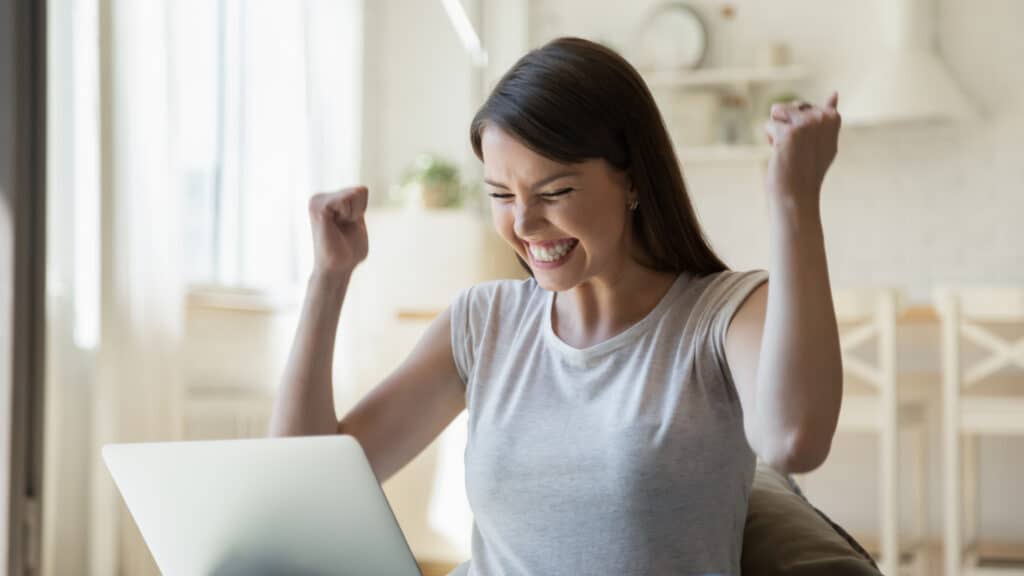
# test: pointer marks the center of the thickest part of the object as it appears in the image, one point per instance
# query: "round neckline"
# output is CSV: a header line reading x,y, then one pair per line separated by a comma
x,y
580,356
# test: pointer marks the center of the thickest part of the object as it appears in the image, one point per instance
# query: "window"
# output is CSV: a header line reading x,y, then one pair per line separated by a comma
x,y
266,100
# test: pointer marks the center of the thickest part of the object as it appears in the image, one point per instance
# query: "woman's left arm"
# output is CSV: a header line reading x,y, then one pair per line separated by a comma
x,y
782,345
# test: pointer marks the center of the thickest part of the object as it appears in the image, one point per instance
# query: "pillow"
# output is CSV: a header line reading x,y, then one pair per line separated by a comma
x,y
786,536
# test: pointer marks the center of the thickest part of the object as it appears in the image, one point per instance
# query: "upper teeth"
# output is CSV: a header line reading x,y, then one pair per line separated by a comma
x,y
551,253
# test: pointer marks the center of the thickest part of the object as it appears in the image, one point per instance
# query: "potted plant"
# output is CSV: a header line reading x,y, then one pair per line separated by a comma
x,y
432,182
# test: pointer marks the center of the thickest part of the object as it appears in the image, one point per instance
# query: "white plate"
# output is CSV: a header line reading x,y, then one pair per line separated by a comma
x,y
673,37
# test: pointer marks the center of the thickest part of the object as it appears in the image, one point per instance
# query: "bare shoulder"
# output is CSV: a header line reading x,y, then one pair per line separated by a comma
x,y
743,337
749,317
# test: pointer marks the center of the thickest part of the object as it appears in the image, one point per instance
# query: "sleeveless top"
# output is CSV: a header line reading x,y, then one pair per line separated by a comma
x,y
627,457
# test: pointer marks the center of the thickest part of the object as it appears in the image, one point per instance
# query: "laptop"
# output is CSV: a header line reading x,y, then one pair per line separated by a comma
x,y
301,505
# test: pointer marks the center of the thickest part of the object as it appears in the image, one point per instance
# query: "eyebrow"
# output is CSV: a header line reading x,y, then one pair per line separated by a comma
x,y
540,182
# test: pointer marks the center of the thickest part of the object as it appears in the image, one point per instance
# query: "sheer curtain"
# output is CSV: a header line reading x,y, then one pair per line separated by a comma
x,y
142,290
269,96
221,118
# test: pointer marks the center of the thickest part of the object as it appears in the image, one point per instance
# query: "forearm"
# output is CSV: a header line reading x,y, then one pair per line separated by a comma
x,y
800,371
305,400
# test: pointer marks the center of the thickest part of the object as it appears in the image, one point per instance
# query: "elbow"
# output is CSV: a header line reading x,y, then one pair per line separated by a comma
x,y
803,445
279,430
800,452
287,426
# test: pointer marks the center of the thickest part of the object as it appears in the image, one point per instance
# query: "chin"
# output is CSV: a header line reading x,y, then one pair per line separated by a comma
x,y
554,282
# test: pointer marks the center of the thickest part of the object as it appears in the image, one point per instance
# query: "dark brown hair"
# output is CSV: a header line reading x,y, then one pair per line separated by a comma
x,y
573,100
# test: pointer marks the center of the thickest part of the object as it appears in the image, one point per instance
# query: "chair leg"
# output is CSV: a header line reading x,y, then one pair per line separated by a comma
x,y
953,546
970,489
920,498
890,510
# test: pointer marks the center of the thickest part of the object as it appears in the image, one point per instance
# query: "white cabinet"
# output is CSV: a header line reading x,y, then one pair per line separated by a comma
x,y
235,349
418,262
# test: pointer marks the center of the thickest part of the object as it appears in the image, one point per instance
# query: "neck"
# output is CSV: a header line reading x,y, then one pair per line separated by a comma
x,y
606,305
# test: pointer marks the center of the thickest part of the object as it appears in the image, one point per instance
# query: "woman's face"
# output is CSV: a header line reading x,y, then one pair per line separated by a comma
x,y
569,222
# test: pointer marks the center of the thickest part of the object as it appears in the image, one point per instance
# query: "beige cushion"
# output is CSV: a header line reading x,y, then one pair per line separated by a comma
x,y
785,535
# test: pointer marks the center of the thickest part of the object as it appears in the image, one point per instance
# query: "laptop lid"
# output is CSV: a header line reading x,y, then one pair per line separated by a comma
x,y
299,505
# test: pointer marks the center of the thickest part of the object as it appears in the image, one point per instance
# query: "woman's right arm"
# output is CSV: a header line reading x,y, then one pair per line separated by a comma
x,y
405,412
412,406
305,401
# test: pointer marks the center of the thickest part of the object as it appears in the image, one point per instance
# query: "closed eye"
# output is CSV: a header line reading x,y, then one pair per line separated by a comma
x,y
557,193
562,192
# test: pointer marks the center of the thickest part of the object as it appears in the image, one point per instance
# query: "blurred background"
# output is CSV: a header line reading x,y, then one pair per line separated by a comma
x,y
184,138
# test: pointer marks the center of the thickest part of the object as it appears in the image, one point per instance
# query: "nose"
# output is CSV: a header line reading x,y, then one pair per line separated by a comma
x,y
528,219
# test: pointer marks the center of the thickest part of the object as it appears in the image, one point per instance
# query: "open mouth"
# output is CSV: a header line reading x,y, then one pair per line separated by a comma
x,y
551,254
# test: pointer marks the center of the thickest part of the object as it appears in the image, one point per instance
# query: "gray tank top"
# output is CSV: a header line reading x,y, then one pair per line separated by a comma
x,y
628,457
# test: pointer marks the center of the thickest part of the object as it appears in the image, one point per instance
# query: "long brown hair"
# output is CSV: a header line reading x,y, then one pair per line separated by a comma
x,y
572,100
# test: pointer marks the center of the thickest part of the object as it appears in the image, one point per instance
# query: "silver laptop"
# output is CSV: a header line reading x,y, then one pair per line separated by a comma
x,y
305,505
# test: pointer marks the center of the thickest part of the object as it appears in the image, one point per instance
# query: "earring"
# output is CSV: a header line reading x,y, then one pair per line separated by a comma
x,y
633,205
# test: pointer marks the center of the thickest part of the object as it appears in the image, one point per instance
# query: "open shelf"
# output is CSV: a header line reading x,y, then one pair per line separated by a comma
x,y
712,77
723,152
749,81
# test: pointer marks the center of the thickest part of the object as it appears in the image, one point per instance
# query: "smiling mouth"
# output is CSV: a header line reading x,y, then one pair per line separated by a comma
x,y
551,252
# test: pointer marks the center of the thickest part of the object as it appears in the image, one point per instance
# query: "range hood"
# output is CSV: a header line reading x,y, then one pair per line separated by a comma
x,y
906,81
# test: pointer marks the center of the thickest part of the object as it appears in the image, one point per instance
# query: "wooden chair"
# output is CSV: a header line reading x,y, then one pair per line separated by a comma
x,y
873,402
980,398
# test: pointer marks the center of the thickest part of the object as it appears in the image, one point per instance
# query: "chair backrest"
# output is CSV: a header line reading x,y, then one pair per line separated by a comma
x,y
865,315
973,314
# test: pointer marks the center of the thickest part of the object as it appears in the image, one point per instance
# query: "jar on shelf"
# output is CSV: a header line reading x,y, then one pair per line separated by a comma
x,y
734,121
691,118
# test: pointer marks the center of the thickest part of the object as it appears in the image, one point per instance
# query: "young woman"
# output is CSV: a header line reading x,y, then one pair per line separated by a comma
x,y
617,398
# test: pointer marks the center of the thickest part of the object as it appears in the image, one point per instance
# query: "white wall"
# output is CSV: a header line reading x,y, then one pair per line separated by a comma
x,y
909,207
899,203
418,89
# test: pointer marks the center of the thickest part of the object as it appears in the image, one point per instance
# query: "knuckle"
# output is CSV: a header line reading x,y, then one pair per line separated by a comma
x,y
316,201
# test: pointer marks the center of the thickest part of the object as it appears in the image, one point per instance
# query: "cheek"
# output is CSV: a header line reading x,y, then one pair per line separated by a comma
x,y
591,220
601,231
